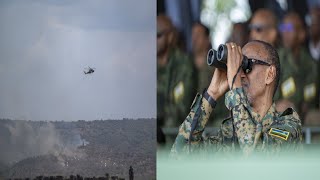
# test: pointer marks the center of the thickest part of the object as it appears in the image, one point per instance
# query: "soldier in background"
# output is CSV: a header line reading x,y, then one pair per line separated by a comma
x,y
263,27
239,34
314,33
314,41
299,70
175,77
200,47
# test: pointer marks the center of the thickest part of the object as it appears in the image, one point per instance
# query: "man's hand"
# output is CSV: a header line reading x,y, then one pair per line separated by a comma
x,y
234,62
219,84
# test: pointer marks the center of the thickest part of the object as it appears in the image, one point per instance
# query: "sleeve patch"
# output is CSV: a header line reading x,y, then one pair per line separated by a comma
x,y
279,133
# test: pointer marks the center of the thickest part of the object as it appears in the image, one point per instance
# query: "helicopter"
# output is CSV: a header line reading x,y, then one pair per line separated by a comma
x,y
89,70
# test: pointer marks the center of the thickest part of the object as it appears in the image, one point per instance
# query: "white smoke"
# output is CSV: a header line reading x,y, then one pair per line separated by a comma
x,y
29,139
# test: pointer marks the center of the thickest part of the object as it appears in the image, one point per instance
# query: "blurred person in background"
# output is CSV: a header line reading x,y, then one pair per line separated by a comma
x,y
175,77
200,47
179,41
299,71
314,41
263,27
314,33
239,34
281,7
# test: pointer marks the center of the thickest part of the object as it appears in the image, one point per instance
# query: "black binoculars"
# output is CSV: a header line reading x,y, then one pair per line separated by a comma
x,y
219,60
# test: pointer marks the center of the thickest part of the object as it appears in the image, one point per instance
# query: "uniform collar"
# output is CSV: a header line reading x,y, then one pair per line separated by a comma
x,y
267,119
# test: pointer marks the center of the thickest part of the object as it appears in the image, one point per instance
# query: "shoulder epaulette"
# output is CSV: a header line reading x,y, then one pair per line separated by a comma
x,y
288,111
291,112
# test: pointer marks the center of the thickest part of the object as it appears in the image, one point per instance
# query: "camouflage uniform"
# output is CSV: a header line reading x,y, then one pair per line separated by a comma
x,y
298,78
174,89
247,130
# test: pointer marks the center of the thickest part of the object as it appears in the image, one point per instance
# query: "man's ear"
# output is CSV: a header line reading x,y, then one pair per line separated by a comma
x,y
271,75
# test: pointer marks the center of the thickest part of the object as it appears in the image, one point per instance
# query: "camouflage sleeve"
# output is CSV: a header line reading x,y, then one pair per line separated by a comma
x,y
200,111
245,129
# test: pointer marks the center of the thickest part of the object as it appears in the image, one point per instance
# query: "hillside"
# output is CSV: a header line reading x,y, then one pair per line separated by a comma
x,y
87,148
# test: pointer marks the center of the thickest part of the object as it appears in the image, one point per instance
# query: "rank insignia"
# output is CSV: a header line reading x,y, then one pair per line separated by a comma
x,y
288,87
279,133
309,92
178,92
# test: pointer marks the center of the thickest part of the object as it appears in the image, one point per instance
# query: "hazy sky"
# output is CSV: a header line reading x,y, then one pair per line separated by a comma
x,y
46,45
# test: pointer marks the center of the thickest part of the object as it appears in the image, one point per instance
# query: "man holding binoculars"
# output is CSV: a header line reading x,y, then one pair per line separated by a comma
x,y
251,75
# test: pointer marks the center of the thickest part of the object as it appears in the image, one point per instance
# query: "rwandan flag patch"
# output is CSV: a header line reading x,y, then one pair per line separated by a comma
x,y
279,133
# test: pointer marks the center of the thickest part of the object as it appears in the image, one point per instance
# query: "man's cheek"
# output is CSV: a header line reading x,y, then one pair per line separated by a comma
x,y
246,88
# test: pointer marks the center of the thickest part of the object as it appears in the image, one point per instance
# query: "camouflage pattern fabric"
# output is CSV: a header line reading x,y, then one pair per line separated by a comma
x,y
174,89
246,131
303,72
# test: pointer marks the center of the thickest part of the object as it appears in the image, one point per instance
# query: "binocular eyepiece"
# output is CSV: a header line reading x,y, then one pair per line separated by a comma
x,y
219,60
